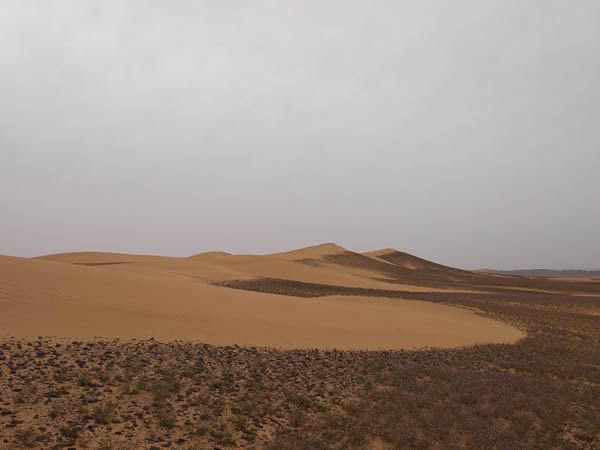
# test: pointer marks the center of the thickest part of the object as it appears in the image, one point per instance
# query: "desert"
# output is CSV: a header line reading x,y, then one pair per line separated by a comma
x,y
299,225
313,348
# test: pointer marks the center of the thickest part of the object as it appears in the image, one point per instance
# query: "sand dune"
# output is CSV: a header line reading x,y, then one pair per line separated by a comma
x,y
308,265
91,294
119,295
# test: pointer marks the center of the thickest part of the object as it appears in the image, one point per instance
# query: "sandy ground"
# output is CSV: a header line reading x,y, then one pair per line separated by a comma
x,y
171,298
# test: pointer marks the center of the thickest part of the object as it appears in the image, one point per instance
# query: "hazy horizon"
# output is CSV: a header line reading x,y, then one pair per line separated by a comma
x,y
464,133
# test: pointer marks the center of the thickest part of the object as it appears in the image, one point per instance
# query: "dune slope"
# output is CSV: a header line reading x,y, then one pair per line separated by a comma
x,y
85,295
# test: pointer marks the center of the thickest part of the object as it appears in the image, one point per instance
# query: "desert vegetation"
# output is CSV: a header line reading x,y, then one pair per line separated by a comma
x,y
543,392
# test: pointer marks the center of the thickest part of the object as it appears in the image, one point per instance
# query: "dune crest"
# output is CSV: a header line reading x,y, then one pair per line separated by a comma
x,y
314,251
209,254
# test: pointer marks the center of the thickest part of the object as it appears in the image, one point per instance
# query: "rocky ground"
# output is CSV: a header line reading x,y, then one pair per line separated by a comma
x,y
543,392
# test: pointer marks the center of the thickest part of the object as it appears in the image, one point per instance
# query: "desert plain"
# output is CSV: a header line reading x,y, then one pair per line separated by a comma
x,y
319,347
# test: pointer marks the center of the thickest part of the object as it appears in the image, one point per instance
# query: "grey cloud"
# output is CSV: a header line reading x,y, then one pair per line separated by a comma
x,y
464,131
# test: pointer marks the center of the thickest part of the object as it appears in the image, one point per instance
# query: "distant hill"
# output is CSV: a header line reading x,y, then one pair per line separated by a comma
x,y
546,273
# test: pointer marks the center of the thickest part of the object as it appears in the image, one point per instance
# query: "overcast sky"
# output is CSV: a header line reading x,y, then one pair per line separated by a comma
x,y
466,132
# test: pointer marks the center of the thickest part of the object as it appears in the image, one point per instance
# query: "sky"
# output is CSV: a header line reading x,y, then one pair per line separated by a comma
x,y
464,132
